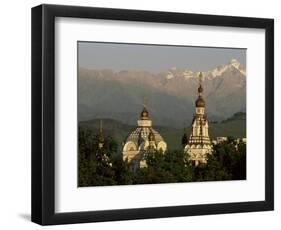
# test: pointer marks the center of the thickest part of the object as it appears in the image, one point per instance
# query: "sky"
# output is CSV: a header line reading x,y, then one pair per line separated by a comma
x,y
154,58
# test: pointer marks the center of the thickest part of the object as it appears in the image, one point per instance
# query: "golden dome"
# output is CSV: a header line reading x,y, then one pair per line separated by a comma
x,y
144,114
200,102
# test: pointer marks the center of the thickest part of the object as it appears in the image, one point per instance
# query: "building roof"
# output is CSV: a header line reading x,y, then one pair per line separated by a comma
x,y
141,134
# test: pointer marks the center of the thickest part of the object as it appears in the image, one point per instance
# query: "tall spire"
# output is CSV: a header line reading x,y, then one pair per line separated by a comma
x,y
198,144
101,138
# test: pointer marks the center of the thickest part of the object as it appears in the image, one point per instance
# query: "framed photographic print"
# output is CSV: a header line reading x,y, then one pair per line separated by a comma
x,y
142,114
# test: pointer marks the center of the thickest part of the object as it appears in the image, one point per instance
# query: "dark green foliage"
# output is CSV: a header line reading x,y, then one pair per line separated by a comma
x,y
95,164
105,166
228,162
123,173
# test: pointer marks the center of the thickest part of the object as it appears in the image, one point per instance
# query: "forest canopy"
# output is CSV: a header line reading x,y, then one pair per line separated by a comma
x,y
105,166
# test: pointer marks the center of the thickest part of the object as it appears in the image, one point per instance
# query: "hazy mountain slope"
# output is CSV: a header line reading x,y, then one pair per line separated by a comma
x,y
114,100
171,94
234,126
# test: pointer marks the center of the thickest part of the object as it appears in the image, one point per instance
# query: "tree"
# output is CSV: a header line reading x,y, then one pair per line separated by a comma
x,y
155,171
104,165
168,167
122,169
95,162
227,162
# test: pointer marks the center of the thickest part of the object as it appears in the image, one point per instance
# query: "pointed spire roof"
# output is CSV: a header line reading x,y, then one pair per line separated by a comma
x,y
101,138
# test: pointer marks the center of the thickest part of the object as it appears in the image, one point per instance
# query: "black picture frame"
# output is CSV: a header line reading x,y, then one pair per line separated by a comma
x,y
43,114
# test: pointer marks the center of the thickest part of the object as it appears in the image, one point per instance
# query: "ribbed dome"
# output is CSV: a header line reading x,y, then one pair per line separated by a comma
x,y
151,136
200,102
142,134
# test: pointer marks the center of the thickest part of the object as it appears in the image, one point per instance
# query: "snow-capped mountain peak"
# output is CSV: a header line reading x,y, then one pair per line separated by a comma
x,y
216,72
169,75
235,63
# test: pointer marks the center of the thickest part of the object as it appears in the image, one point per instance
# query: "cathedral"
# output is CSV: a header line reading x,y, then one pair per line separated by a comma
x,y
145,139
142,140
198,145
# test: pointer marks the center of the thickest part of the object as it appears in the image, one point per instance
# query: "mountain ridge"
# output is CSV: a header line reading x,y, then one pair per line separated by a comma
x,y
171,94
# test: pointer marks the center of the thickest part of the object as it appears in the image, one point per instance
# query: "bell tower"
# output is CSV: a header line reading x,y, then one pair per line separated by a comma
x,y
199,143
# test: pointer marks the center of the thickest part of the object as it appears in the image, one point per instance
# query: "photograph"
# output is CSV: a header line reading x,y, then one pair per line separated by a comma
x,y
148,113
151,113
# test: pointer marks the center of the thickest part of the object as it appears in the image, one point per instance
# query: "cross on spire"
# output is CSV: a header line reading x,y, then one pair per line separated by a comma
x,y
200,78
144,102
200,88
144,114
